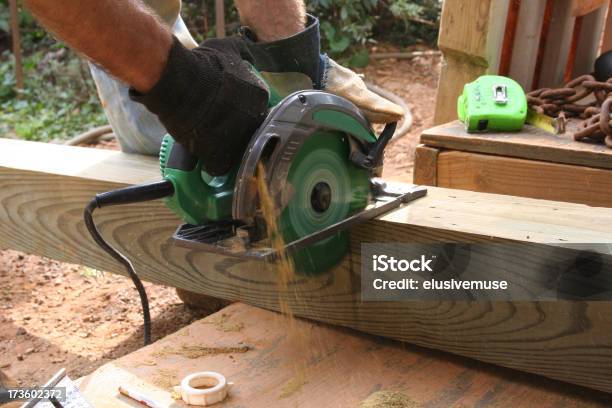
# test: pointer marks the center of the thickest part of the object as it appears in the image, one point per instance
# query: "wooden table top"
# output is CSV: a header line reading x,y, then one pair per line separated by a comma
x,y
530,143
275,362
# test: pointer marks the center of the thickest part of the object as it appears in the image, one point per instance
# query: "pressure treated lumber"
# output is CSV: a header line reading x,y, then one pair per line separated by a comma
x,y
526,178
426,166
43,189
309,365
529,143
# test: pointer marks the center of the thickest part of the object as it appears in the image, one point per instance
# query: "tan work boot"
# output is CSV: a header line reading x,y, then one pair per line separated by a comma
x,y
343,82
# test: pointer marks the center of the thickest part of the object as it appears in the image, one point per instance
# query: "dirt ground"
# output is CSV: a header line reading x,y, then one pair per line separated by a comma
x,y
55,315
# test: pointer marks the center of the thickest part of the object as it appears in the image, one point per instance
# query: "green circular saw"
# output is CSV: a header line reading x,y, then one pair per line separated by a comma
x,y
319,154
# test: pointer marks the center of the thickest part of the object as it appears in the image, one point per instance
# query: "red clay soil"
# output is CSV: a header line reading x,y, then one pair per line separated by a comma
x,y
55,315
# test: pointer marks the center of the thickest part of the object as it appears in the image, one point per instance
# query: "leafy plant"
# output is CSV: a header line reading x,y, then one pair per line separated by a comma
x,y
58,100
349,25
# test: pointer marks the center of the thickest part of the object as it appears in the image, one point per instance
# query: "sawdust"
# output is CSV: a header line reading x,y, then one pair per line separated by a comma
x,y
388,399
199,351
166,379
285,266
147,363
190,351
222,323
294,385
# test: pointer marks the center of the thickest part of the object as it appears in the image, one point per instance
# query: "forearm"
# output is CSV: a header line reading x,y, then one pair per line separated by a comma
x,y
123,36
272,19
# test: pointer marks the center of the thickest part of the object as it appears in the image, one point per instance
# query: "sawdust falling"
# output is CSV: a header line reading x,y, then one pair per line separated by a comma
x,y
297,335
388,399
286,268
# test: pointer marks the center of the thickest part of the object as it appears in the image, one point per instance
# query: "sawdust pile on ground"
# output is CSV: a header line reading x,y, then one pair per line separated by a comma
x,y
388,399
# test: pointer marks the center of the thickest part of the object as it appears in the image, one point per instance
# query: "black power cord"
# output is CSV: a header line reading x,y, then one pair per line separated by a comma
x,y
127,195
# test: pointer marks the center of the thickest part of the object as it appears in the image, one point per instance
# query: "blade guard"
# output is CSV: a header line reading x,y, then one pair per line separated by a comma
x,y
280,137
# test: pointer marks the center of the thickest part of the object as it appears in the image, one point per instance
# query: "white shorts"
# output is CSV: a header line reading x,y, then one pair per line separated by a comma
x,y
137,129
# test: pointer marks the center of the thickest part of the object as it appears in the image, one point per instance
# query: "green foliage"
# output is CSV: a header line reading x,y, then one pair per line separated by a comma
x,y
58,100
349,25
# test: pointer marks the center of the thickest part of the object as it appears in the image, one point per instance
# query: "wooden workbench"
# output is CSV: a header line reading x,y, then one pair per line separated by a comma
x,y
530,163
299,363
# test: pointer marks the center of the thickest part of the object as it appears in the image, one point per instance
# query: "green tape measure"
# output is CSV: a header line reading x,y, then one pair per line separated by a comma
x,y
492,103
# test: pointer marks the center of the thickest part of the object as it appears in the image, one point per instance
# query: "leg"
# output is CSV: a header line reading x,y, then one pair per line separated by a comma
x,y
272,19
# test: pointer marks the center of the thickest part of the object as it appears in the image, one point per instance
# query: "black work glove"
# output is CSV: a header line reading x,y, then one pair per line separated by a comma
x,y
209,100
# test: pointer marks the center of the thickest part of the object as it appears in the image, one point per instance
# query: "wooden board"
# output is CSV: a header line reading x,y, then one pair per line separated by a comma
x,y
425,170
465,49
530,143
525,178
43,189
304,364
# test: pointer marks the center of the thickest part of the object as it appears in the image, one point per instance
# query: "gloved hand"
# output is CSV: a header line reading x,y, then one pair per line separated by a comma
x,y
302,53
209,100
344,82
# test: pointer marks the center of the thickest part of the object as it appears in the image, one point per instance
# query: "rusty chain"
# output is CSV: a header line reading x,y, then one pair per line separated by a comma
x,y
564,102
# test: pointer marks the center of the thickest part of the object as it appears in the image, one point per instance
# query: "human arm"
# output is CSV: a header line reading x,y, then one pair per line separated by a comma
x,y
123,36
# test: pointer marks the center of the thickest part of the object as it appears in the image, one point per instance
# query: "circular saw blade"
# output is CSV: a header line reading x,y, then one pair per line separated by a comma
x,y
322,188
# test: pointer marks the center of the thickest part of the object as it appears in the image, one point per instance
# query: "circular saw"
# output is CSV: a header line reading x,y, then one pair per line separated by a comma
x,y
318,154
307,176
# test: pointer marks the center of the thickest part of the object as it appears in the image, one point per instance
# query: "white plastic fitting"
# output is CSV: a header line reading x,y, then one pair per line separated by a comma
x,y
204,388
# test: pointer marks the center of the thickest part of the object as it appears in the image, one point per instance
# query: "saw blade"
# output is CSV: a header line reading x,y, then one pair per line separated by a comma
x,y
326,187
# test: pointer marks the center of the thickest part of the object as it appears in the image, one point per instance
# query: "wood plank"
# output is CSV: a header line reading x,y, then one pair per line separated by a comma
x,y
525,178
300,363
425,166
530,143
41,212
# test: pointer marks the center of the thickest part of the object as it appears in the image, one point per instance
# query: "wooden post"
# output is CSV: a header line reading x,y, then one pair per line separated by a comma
x,y
471,34
16,43
220,18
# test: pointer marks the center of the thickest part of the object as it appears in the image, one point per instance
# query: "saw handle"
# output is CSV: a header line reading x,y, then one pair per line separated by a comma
x,y
374,157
